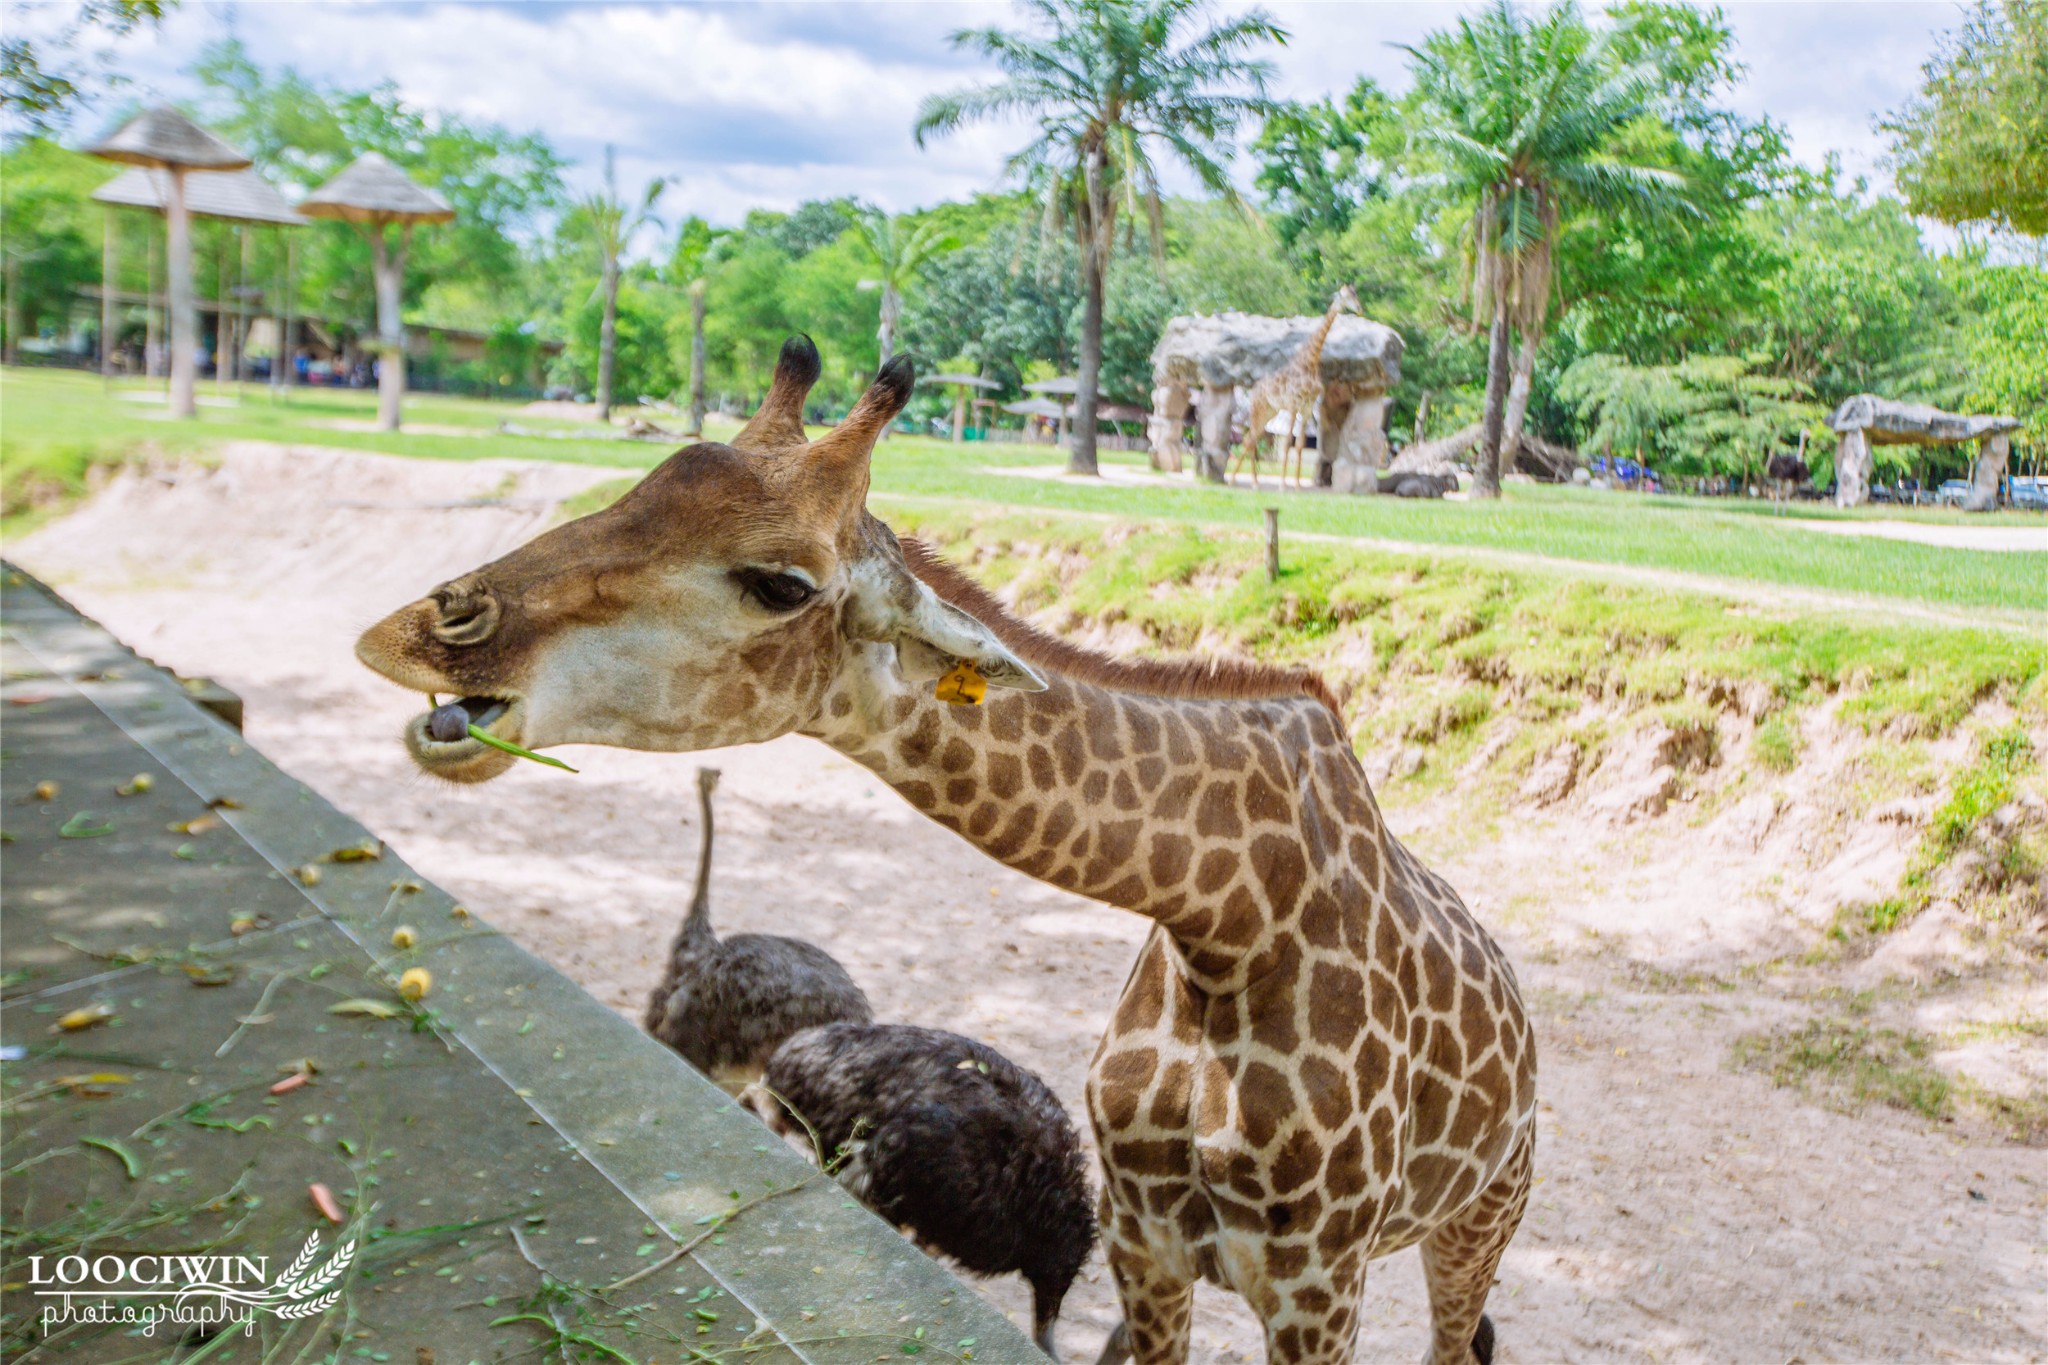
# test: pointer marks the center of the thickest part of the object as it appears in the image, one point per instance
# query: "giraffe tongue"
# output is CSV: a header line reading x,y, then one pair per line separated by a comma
x,y
482,710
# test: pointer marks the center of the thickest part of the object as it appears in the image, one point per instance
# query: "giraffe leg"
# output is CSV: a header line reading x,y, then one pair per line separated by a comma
x,y
1459,1260
1316,1325
1158,1308
1249,451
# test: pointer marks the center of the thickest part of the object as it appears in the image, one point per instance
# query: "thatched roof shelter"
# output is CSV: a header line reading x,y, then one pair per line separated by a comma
x,y
961,384
371,189
1039,407
371,193
232,196
165,138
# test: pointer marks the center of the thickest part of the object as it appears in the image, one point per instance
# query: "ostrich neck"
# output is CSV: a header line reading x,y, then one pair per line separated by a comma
x,y
1220,819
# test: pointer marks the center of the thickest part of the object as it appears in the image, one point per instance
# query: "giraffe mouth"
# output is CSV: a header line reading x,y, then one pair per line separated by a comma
x,y
462,757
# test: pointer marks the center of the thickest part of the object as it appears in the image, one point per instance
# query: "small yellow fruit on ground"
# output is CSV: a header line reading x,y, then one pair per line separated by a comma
x,y
404,936
85,1018
416,982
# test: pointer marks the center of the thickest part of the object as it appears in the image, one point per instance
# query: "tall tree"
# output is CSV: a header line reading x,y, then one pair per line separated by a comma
x,y
612,223
687,264
898,249
1108,83
1972,146
1522,115
1319,161
40,87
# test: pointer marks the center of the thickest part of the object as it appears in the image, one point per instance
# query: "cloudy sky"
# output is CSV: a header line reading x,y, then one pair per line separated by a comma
x,y
770,104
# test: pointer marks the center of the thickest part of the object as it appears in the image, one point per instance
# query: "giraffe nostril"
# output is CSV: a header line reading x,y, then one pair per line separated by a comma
x,y
466,620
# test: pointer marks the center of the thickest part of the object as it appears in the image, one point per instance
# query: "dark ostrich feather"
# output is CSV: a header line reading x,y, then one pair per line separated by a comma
x,y
950,1139
726,1005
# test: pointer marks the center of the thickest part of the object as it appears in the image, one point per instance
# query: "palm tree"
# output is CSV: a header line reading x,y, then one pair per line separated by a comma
x,y
898,250
1110,82
612,225
1522,116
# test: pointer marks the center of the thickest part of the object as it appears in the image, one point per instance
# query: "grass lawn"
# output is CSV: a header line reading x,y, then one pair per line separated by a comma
x,y
55,425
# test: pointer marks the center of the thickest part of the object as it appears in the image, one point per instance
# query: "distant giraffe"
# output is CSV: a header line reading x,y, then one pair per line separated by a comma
x,y
1295,389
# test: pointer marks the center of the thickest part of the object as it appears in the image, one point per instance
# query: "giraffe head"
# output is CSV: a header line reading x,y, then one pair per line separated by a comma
x,y
1345,300
713,604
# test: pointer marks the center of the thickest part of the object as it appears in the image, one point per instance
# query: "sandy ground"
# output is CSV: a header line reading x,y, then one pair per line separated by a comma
x,y
1684,1211
2008,538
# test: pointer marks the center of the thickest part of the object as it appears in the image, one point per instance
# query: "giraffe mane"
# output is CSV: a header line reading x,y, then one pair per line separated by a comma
x,y
1191,678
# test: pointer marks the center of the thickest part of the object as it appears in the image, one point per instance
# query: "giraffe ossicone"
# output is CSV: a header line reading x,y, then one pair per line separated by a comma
x,y
1320,1056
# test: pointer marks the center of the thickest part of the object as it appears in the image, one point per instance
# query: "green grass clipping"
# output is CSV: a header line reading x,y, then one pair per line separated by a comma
x,y
483,736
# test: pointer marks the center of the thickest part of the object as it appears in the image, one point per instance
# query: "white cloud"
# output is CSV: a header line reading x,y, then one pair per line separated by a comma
x,y
768,104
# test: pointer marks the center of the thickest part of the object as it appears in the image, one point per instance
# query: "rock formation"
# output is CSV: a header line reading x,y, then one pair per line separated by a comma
x,y
1209,358
1867,420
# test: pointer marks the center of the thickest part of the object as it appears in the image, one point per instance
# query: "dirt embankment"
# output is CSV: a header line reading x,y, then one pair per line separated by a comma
x,y
1661,906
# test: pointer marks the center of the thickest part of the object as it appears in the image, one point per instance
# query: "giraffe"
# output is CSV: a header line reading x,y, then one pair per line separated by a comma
x,y
1295,389
1319,1058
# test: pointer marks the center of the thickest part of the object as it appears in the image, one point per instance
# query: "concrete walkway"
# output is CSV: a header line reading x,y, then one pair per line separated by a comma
x,y
497,1152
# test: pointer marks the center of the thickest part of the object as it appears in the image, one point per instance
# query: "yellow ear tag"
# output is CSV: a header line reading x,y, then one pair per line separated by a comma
x,y
963,686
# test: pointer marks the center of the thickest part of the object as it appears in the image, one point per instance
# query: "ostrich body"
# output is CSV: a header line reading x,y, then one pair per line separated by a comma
x,y
726,1005
950,1139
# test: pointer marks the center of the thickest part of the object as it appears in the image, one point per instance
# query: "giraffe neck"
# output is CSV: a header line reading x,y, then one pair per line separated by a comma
x,y
1312,353
1214,818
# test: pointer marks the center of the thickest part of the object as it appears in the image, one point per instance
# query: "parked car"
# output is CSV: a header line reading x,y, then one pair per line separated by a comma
x,y
1952,492
2030,494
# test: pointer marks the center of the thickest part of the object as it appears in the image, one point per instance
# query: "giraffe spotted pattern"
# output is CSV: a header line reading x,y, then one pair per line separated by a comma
x,y
1320,1058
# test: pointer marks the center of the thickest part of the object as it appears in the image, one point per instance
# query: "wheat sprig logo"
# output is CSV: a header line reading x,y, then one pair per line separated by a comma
x,y
303,1291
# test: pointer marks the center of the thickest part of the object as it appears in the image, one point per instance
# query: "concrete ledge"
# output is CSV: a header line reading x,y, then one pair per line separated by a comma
x,y
516,1091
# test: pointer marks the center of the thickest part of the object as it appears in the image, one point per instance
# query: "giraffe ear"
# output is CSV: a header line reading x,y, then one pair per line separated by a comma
x,y
889,605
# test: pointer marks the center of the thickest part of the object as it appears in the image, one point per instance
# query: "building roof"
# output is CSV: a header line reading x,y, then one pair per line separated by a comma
x,y
371,189
164,137
233,196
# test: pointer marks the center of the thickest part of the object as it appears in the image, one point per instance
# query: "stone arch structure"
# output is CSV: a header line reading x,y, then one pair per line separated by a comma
x,y
1868,420
1208,358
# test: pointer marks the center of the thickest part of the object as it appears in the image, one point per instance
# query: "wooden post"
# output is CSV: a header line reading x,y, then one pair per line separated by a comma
x,y
184,314
223,334
290,345
1272,544
390,272
110,276
697,287
242,308
152,331
959,412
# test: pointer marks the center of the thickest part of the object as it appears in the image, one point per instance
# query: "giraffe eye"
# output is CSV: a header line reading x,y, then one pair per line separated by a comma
x,y
776,591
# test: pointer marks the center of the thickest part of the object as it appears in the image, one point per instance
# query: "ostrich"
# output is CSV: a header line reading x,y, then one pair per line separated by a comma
x,y
950,1139
726,1006
1787,472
